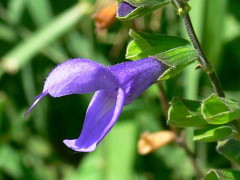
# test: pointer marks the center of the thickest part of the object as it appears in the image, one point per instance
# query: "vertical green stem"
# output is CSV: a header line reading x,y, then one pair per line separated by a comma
x,y
206,65
183,9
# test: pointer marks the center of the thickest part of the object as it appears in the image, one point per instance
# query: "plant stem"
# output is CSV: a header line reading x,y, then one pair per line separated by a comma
x,y
206,65
179,139
183,10
191,156
163,99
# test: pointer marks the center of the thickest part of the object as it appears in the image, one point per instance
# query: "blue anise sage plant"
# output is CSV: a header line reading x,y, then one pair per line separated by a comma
x,y
115,86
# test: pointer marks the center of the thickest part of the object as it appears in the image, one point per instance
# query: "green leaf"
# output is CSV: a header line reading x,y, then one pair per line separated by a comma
x,y
23,52
218,110
222,174
146,44
143,7
185,113
144,3
230,149
211,134
173,51
176,59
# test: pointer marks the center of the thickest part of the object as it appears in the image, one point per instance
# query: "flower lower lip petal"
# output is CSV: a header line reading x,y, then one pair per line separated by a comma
x,y
102,114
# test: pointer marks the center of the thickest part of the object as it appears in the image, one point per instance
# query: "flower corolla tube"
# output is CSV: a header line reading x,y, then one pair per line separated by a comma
x,y
115,86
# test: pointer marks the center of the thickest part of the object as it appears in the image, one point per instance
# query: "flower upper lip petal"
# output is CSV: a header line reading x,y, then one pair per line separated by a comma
x,y
79,76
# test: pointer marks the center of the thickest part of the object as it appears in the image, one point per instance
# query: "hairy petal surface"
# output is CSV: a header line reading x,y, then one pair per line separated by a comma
x,y
124,9
103,111
79,76
136,76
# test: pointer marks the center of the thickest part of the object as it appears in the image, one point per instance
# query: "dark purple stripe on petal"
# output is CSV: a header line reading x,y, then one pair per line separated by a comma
x,y
124,9
103,112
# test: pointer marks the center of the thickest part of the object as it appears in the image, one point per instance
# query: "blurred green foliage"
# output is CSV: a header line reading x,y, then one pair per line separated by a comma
x,y
35,35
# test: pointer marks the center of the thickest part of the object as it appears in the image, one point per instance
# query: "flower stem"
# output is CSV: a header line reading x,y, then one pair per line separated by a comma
x,y
183,9
206,65
163,99
192,157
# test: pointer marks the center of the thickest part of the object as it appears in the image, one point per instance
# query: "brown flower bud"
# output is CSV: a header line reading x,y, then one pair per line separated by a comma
x,y
105,17
149,142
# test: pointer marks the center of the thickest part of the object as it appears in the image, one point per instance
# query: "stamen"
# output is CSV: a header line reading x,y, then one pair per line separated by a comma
x,y
38,98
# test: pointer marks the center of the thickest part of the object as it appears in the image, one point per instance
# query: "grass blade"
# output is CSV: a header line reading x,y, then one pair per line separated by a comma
x,y
26,50
15,10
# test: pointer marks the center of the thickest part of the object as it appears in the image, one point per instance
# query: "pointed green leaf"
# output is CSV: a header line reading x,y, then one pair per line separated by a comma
x,y
222,174
143,7
144,3
211,134
185,113
218,110
177,59
173,51
230,149
146,44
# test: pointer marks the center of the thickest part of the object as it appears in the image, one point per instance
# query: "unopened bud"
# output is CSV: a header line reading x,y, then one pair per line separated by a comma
x,y
105,17
149,142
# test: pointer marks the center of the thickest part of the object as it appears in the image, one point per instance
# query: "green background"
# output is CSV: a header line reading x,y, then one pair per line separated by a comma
x,y
35,35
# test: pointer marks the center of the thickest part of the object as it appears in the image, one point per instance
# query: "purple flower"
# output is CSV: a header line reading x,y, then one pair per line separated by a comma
x,y
124,9
114,87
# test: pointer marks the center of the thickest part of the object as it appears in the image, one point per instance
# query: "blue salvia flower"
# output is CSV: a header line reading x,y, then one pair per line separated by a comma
x,y
114,87
124,9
